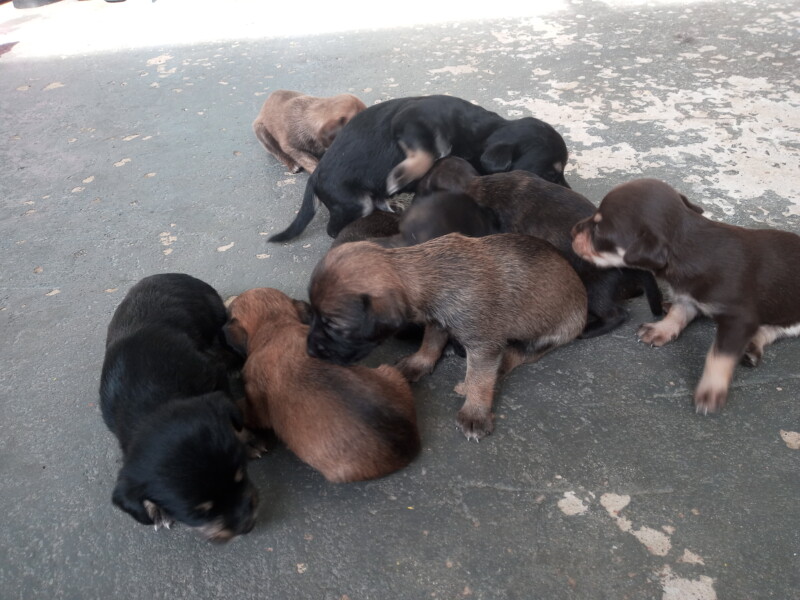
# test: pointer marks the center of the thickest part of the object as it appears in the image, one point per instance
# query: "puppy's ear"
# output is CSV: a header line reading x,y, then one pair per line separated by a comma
x,y
236,336
691,206
497,158
129,497
329,130
648,251
303,309
384,314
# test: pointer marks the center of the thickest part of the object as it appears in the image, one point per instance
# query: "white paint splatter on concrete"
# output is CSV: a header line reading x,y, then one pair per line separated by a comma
x,y
262,256
89,179
130,137
655,541
159,60
792,439
614,503
122,162
455,70
691,558
678,588
53,292
226,247
53,86
571,505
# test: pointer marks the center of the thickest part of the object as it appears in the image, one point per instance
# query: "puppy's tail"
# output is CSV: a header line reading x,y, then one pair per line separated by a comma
x,y
307,210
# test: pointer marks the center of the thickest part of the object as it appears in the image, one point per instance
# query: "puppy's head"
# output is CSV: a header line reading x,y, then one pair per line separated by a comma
x,y
633,226
526,144
335,113
357,301
188,465
257,308
441,213
450,174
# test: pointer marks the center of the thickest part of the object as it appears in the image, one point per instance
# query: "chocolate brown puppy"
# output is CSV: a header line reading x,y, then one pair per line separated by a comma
x,y
349,423
744,279
507,298
377,226
525,203
298,129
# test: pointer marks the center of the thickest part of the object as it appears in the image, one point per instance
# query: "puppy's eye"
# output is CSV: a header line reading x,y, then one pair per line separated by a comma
x,y
205,506
239,475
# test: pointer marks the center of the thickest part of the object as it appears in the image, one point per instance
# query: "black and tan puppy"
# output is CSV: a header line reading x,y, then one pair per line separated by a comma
x,y
349,423
297,129
386,148
744,279
507,298
525,203
164,394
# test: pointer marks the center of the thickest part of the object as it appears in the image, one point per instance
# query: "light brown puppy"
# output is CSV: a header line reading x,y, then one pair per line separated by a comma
x,y
507,298
297,129
349,423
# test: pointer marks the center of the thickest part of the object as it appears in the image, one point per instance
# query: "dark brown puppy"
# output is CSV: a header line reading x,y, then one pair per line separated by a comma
x,y
377,226
297,129
507,298
349,423
745,279
525,203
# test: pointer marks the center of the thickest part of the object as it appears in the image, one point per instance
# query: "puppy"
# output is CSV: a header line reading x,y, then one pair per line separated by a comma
x,y
298,129
745,279
507,298
164,394
377,226
348,423
525,203
389,146
440,213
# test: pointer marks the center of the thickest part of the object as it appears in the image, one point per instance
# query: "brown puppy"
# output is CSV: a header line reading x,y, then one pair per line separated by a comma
x,y
507,298
348,423
297,129
745,279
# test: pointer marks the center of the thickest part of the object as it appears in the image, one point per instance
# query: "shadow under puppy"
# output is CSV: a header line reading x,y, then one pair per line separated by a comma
x,y
524,203
386,148
297,129
349,423
164,393
744,279
508,299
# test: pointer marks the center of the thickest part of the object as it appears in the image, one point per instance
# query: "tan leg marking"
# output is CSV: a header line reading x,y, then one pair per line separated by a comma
x,y
669,328
712,391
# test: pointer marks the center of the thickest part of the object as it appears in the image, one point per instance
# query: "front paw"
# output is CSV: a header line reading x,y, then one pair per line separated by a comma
x,y
475,423
709,399
656,334
752,355
398,179
412,368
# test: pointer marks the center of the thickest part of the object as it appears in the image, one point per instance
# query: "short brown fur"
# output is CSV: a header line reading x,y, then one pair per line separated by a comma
x,y
349,423
507,298
298,129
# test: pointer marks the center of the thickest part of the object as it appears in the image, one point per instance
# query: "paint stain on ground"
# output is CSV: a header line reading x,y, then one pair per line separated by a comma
x,y
53,292
792,439
122,162
149,174
571,505
53,86
226,247
262,256
166,239
678,588
656,542
690,558
130,137
89,179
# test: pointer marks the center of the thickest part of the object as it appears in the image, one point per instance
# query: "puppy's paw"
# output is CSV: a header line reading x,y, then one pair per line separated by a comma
x,y
461,389
398,178
412,367
159,517
475,423
656,334
752,355
709,399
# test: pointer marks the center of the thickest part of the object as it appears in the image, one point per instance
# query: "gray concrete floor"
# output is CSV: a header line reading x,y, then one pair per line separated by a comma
x,y
127,150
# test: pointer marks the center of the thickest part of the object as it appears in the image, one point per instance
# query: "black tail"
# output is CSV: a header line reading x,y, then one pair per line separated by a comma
x,y
303,218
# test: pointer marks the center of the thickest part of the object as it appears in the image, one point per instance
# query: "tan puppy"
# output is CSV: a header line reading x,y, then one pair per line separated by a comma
x,y
349,423
507,298
297,129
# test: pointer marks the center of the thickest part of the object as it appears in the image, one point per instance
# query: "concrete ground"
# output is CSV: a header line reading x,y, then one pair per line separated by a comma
x,y
127,151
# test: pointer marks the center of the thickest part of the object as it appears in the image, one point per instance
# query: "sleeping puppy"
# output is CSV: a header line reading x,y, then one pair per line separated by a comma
x,y
440,213
745,279
298,129
348,423
525,203
164,394
507,298
377,226
386,148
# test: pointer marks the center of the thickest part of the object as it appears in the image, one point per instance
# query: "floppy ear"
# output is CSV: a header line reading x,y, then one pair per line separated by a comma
x,y
303,309
329,130
236,336
647,252
384,315
130,498
691,206
497,158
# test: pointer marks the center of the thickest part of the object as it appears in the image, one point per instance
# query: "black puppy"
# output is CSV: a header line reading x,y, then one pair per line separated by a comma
x,y
387,147
164,393
525,203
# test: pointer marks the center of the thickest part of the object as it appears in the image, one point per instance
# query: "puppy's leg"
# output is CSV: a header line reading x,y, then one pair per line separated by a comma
x,y
424,360
272,146
475,417
680,314
766,335
416,164
733,335
305,159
